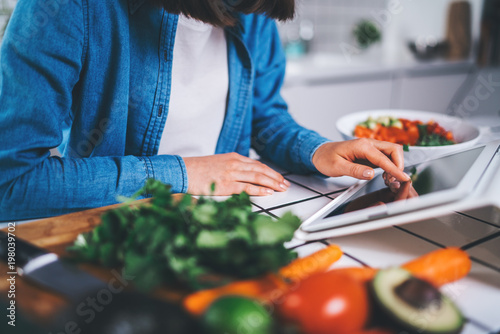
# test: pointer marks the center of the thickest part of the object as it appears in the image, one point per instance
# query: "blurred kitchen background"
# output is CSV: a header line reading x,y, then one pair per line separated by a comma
x,y
432,55
352,55
6,7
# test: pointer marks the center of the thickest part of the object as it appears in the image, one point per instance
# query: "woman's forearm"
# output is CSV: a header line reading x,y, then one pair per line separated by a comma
x,y
62,185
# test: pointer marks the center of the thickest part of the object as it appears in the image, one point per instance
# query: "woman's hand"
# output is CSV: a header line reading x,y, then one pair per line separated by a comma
x,y
232,173
391,182
405,191
356,157
382,197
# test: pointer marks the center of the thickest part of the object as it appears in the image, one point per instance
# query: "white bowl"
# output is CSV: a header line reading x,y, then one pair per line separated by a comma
x,y
465,134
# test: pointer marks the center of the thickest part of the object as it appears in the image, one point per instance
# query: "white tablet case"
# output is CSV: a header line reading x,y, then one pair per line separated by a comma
x,y
480,187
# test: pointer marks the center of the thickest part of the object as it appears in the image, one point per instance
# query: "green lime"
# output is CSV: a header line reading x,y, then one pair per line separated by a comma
x,y
237,315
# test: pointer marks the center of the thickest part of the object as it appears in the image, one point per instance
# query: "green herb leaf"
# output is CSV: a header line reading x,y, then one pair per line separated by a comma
x,y
185,242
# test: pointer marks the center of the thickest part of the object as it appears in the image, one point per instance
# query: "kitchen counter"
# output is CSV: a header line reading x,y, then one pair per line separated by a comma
x,y
478,295
330,68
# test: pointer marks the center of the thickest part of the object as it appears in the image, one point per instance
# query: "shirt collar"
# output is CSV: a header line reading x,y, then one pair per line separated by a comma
x,y
133,5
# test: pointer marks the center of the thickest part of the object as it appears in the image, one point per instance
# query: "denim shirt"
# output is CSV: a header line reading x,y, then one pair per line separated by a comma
x,y
93,78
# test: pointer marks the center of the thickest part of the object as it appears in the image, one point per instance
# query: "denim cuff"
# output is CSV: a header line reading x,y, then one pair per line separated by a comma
x,y
169,169
308,147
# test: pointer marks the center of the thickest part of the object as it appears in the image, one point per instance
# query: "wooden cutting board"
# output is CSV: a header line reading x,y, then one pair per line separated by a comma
x,y
55,234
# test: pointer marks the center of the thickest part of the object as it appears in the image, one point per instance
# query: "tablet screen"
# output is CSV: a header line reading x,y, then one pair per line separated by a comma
x,y
428,177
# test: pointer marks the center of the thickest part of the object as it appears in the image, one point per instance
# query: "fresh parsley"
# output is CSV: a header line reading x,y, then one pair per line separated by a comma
x,y
197,244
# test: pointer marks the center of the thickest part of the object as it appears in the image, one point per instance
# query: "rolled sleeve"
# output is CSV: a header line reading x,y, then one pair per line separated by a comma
x,y
168,169
307,147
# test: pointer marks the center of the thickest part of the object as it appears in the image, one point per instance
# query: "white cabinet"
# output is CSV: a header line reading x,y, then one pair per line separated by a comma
x,y
318,107
429,93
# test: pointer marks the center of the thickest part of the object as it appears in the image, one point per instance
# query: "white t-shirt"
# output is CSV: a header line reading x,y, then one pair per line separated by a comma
x,y
200,84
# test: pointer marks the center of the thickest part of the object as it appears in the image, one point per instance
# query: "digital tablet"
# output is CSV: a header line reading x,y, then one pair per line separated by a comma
x,y
437,183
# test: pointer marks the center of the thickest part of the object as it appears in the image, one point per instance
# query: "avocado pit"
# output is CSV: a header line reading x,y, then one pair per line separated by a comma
x,y
407,303
418,293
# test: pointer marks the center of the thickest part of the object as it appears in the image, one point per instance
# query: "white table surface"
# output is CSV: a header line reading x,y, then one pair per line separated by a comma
x,y
477,295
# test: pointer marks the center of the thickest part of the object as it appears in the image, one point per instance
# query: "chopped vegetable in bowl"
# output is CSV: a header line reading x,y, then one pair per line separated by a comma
x,y
405,132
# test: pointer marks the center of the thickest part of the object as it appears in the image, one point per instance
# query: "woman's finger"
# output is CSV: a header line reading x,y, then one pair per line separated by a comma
x,y
251,189
404,192
394,151
259,179
259,167
354,170
378,158
394,186
390,181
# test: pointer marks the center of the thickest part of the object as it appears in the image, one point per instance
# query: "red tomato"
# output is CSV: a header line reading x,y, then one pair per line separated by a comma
x,y
327,303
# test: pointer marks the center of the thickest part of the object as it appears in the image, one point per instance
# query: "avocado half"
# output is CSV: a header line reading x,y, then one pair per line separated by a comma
x,y
415,304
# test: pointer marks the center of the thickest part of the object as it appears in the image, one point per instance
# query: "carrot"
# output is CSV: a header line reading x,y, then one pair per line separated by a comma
x,y
269,287
362,274
363,132
441,266
438,267
317,262
197,302
409,133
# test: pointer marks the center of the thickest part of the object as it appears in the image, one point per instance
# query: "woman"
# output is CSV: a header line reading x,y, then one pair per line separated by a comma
x,y
129,90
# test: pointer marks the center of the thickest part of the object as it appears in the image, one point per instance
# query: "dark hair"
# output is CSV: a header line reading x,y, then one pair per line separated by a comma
x,y
222,12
